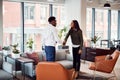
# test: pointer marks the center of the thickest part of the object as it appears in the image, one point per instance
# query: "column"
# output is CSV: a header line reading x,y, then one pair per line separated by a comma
x,y
1,22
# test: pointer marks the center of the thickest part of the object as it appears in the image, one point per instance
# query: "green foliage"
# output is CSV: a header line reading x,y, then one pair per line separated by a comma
x,y
95,39
61,31
15,50
30,43
7,48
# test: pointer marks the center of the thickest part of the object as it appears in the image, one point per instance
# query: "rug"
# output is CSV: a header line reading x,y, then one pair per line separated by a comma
x,y
88,76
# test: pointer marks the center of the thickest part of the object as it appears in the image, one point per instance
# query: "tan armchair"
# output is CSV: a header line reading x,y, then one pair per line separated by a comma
x,y
105,65
53,71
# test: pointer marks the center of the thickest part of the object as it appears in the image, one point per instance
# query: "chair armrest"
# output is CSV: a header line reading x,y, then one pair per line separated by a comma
x,y
7,67
71,74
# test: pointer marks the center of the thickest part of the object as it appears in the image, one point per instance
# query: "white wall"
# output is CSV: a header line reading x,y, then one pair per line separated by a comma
x,y
1,23
76,9
72,8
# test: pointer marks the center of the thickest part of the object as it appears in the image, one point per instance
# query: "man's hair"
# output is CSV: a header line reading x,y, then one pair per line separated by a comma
x,y
50,19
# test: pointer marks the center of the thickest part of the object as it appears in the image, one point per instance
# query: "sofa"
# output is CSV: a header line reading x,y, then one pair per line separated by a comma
x,y
62,56
5,69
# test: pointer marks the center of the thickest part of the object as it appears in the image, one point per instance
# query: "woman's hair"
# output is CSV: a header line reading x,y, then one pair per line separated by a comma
x,y
76,25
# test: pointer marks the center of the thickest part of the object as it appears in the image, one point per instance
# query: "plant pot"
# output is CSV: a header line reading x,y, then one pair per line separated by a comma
x,y
29,50
94,45
15,55
6,52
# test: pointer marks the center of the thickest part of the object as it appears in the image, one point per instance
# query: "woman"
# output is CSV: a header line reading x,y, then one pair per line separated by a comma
x,y
77,43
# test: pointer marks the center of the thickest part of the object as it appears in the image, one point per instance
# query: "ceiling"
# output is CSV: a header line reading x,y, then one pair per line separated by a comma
x,y
115,4
47,1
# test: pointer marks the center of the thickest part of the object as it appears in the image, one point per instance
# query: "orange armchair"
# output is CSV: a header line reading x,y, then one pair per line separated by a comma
x,y
53,71
103,65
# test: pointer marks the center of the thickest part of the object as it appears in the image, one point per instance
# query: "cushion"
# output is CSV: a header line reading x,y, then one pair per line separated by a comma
x,y
67,64
33,56
108,57
42,56
60,55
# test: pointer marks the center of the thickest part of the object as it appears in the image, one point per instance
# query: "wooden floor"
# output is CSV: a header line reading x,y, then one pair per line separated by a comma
x,y
85,68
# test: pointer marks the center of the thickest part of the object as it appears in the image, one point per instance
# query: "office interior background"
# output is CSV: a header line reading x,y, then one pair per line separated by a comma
x,y
24,19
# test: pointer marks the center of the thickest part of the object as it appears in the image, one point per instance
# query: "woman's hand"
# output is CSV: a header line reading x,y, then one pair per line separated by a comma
x,y
80,51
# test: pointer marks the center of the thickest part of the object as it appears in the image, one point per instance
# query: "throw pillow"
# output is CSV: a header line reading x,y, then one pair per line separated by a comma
x,y
33,56
108,57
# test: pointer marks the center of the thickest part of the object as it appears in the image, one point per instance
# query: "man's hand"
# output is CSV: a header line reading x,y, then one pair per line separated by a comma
x,y
80,51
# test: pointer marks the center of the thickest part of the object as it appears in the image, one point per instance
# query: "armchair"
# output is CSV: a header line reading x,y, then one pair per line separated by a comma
x,y
5,70
53,71
105,65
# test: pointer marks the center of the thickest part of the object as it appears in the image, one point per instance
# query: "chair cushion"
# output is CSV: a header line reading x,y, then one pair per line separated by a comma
x,y
42,56
60,55
108,57
34,56
66,63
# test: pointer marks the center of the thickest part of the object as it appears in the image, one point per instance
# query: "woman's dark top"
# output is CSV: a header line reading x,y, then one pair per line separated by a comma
x,y
76,37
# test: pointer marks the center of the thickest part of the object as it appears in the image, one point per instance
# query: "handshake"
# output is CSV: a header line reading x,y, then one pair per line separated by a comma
x,y
63,46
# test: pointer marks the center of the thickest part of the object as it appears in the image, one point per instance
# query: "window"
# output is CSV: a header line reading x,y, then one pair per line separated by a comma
x,y
62,15
101,30
36,18
44,10
96,16
101,17
89,22
59,13
114,22
12,23
29,11
33,29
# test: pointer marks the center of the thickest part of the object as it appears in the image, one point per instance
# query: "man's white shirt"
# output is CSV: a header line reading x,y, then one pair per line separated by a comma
x,y
50,37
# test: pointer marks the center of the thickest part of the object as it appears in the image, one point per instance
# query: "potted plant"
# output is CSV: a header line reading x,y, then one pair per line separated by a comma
x,y
6,50
94,40
15,51
30,44
62,32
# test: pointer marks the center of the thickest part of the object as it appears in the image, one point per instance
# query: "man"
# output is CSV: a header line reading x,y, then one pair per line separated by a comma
x,y
50,39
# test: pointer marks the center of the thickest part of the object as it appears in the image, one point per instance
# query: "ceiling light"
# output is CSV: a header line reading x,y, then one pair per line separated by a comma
x,y
107,5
